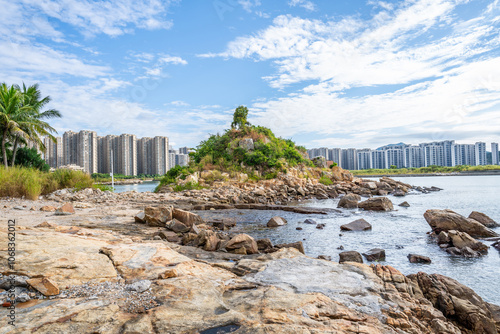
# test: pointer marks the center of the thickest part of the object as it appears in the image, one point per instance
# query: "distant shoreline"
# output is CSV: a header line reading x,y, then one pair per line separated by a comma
x,y
466,173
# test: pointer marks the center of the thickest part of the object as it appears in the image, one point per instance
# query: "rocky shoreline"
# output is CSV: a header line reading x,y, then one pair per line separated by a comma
x,y
114,263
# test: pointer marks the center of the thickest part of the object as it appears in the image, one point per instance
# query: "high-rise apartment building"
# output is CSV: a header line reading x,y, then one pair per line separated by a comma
x,y
349,159
160,155
53,155
81,149
414,157
480,153
495,156
364,158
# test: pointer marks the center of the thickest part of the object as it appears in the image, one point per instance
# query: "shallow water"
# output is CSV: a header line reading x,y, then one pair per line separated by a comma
x,y
400,232
140,187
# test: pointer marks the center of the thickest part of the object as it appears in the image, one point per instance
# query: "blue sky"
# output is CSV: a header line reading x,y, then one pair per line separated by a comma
x,y
323,73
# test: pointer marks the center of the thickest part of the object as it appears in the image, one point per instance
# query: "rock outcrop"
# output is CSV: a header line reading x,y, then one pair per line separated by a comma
x,y
349,201
460,243
446,220
357,225
483,219
377,204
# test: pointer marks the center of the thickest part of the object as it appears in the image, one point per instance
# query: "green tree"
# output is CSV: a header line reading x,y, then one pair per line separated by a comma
x,y
240,118
31,119
10,101
29,157
394,167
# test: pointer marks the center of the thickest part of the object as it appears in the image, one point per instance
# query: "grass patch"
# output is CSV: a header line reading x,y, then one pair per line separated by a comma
x,y
325,180
31,183
187,186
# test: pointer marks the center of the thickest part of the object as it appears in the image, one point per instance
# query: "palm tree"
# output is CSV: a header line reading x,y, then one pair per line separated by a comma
x,y
21,119
32,124
10,99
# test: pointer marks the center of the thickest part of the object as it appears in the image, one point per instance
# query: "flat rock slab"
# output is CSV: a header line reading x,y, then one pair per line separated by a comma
x,y
64,259
357,225
143,261
375,254
306,275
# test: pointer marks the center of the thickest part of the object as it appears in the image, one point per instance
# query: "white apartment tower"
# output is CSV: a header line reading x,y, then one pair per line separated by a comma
x,y
495,154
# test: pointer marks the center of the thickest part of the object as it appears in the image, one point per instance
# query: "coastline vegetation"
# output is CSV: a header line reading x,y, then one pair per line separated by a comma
x,y
30,182
244,148
424,170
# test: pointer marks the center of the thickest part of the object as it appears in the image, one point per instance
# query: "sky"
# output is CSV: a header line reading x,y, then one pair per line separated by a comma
x,y
322,73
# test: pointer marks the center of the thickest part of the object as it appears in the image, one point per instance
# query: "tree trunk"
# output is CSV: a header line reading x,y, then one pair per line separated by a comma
x,y
4,151
14,151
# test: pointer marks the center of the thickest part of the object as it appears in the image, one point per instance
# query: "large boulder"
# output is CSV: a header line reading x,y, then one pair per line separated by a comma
x,y
339,174
415,258
375,254
276,221
377,204
319,162
158,216
349,201
461,244
297,245
188,218
357,225
246,144
242,241
447,220
483,219
457,302
350,256
178,226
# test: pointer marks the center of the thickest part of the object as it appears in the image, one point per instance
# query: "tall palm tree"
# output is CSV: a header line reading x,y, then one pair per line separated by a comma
x,y
31,119
10,99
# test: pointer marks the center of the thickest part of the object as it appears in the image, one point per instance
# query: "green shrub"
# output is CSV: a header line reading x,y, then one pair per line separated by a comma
x,y
187,186
103,187
325,180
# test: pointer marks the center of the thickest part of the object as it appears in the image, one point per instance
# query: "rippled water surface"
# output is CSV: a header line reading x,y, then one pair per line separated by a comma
x,y
140,187
400,232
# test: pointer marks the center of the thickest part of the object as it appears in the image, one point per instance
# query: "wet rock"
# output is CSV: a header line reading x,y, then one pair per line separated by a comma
x,y
398,193
65,209
357,225
44,285
446,220
456,302
186,217
377,204
139,286
483,219
158,216
350,256
404,204
349,201
325,257
310,221
415,258
242,241
177,226
264,244
462,240
375,254
276,221
496,245
297,245
298,228
320,226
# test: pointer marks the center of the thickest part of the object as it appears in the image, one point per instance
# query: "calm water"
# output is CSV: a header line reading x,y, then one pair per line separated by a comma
x,y
405,228
141,187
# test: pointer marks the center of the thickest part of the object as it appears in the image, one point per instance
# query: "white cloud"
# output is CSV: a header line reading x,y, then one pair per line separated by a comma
x,y
42,61
412,65
179,104
173,60
111,17
249,4
309,5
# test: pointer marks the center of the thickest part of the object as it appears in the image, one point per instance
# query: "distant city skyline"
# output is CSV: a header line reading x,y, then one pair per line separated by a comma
x,y
440,153
357,73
